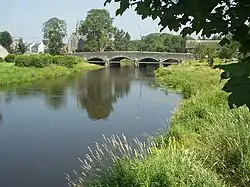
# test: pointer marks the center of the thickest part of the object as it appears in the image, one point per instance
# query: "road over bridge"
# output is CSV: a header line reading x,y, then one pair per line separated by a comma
x,y
139,58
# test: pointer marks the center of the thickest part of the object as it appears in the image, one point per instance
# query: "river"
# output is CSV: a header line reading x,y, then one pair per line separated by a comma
x,y
45,126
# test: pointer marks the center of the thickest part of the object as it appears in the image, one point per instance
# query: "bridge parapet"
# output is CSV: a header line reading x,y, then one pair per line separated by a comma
x,y
136,55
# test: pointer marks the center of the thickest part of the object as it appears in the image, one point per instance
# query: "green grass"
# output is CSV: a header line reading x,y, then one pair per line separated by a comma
x,y
208,144
9,73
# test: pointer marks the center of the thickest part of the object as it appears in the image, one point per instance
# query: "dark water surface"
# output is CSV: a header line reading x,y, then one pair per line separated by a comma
x,y
46,125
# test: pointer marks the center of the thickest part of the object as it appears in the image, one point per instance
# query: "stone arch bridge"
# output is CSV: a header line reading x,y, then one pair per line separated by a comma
x,y
140,59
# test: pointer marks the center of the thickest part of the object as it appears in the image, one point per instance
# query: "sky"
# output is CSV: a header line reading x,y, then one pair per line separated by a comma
x,y
24,18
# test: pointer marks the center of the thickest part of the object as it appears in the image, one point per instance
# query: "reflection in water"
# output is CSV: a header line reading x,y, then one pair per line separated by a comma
x,y
55,96
1,118
48,124
98,91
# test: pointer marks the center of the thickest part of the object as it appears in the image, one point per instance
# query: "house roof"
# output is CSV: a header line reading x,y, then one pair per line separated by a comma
x,y
29,44
190,44
34,44
3,52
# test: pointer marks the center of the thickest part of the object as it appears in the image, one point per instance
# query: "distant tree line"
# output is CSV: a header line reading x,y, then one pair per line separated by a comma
x,y
102,35
17,46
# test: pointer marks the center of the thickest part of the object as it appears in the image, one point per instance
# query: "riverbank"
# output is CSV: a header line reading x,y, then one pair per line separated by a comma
x,y
208,144
9,73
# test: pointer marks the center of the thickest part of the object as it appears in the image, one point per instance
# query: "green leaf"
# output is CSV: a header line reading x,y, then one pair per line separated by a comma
x,y
224,41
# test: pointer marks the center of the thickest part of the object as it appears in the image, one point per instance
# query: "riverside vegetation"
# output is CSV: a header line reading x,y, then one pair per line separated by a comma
x,y
26,68
208,144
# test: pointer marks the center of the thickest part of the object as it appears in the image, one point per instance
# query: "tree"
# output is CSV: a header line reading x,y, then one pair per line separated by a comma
x,y
21,47
174,43
221,17
6,40
121,42
55,30
98,28
206,17
229,51
134,45
162,42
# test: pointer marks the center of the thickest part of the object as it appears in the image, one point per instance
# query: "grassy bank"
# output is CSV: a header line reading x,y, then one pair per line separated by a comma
x,y
9,73
208,144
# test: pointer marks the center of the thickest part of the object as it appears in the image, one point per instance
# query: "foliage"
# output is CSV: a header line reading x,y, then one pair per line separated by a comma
x,y
134,45
229,51
159,42
10,58
21,47
98,28
13,74
153,42
1,59
9,73
38,61
43,60
205,17
6,40
55,30
126,62
206,52
121,42
168,168
206,123
66,60
174,43
238,84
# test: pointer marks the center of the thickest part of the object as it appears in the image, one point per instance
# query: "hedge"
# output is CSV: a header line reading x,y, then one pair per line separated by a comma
x,y
1,59
10,58
43,60
66,60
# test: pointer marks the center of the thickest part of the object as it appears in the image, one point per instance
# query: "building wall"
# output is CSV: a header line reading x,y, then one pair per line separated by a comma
x,y
34,49
41,48
73,43
3,52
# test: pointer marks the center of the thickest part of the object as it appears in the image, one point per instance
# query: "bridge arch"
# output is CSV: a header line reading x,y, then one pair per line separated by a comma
x,y
96,60
119,58
116,61
171,60
148,62
148,59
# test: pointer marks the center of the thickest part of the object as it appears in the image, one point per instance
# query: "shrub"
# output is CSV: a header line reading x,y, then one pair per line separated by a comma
x,y
23,60
39,61
10,58
43,60
1,59
66,60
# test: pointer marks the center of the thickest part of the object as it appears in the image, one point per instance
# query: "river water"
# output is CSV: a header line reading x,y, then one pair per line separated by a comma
x,y
45,126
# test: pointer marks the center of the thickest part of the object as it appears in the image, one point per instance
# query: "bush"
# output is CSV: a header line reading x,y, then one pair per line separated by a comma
x,y
39,61
10,58
1,59
66,60
43,60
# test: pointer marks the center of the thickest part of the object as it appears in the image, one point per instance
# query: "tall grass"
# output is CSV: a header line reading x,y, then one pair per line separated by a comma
x,y
204,122
208,144
13,74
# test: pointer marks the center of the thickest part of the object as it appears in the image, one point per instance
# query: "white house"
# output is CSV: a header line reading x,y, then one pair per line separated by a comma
x,y
36,48
41,47
3,52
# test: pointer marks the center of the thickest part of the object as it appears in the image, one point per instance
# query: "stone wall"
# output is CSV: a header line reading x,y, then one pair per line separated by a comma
x,y
136,55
